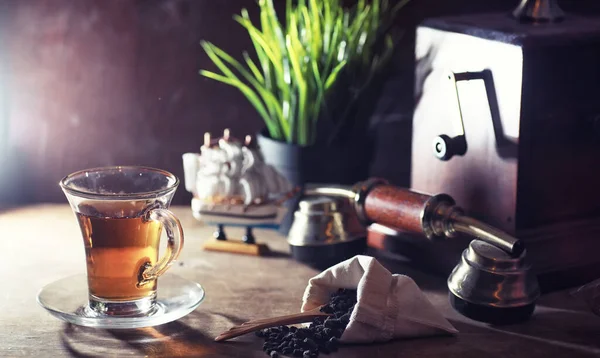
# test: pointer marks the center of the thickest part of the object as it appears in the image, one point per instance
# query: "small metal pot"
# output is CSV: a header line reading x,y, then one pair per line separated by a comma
x,y
490,285
325,231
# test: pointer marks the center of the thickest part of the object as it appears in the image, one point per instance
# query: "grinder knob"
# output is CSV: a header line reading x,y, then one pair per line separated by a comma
x,y
445,147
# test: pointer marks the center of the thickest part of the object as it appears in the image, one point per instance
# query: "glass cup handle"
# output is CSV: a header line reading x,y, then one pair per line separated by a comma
x,y
174,232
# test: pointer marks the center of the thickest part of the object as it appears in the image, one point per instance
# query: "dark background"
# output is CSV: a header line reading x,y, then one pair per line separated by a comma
x,y
87,83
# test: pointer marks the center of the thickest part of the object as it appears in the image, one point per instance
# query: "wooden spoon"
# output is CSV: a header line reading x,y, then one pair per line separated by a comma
x,y
255,325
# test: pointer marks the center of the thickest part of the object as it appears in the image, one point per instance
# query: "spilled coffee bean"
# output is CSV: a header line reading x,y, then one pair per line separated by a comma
x,y
320,337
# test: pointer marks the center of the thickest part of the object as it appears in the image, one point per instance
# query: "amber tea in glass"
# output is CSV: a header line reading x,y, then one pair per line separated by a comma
x,y
122,212
117,253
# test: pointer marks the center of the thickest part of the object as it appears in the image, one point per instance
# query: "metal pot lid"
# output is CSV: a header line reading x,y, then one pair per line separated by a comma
x,y
324,220
319,205
490,257
487,275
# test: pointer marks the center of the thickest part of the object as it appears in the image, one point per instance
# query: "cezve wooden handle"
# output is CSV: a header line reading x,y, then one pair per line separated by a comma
x,y
396,208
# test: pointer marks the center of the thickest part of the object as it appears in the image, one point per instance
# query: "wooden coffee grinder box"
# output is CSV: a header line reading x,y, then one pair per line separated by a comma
x,y
507,121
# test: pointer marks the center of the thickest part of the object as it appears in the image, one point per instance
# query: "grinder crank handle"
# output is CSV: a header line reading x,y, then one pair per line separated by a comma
x,y
405,210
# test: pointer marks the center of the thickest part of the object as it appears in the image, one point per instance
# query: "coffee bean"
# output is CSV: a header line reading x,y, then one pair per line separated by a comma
x,y
321,335
274,354
331,323
332,344
310,343
305,331
327,309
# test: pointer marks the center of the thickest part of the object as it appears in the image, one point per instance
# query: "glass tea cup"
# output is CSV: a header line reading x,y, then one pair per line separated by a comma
x,y
121,213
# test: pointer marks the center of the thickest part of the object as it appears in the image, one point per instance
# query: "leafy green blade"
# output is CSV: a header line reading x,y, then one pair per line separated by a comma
x,y
318,104
327,26
296,52
253,68
335,45
250,95
268,98
316,32
334,74
257,36
263,59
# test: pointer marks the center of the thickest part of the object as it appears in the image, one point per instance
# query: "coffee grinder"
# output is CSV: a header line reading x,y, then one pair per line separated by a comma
x,y
507,122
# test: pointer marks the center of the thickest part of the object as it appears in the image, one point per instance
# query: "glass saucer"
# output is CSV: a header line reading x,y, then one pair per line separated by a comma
x,y
67,299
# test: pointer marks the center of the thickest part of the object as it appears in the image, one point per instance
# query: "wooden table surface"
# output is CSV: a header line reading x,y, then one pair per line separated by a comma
x,y
41,244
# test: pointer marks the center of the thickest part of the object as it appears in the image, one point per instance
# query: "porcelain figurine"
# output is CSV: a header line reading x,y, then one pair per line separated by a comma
x,y
232,184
